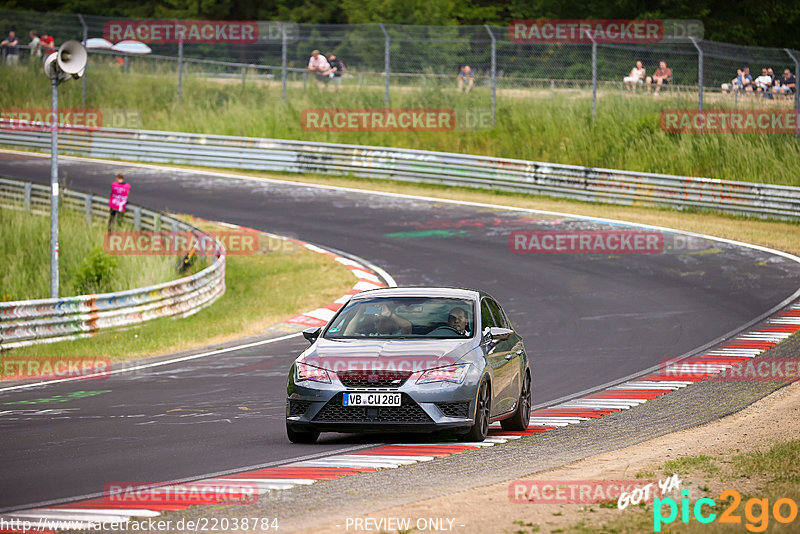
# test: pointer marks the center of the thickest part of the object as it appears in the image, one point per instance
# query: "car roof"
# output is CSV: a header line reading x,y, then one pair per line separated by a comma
x,y
451,292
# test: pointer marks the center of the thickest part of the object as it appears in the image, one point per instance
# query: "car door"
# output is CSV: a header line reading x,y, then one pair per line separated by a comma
x,y
513,352
496,354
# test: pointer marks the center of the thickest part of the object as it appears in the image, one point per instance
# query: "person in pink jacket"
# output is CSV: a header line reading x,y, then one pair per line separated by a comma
x,y
118,200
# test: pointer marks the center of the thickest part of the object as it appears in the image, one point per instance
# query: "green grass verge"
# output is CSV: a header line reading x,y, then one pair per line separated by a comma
x,y
531,124
261,290
84,267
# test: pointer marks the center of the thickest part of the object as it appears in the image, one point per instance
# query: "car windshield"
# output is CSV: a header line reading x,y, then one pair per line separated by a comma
x,y
404,317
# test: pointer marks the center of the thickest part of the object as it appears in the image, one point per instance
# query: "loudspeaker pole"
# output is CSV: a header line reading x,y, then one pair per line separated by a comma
x,y
68,62
54,190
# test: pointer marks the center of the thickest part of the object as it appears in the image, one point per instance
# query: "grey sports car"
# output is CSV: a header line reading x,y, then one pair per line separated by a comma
x,y
411,360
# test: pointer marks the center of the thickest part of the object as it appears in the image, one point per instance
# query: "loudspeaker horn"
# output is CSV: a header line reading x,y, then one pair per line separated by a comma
x,y
72,58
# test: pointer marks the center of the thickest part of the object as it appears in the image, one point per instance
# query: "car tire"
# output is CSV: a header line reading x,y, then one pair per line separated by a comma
x,y
298,436
483,406
521,417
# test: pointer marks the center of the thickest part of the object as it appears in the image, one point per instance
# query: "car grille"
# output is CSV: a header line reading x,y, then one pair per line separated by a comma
x,y
376,379
408,412
298,407
454,409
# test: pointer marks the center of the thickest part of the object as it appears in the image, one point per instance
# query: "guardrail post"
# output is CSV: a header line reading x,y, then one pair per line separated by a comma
x,y
137,218
386,63
87,209
157,222
796,94
283,63
699,73
27,201
174,226
494,72
83,77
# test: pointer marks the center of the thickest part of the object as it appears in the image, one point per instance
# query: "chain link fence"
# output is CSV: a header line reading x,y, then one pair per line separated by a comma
x,y
394,57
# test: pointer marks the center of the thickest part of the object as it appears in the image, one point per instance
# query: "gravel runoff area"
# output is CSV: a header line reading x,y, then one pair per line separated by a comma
x,y
412,491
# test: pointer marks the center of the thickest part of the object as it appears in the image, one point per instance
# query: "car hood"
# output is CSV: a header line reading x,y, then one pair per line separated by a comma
x,y
392,354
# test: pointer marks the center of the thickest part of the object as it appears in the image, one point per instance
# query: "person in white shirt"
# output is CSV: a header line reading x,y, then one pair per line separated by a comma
x,y
635,77
36,50
319,66
763,82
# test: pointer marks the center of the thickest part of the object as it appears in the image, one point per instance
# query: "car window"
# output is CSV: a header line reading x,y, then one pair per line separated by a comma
x,y
498,315
400,317
487,319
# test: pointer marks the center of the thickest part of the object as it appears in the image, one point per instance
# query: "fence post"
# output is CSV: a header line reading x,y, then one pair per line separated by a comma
x,y
83,77
494,71
27,201
796,93
137,218
594,74
244,75
180,65
386,63
699,73
283,63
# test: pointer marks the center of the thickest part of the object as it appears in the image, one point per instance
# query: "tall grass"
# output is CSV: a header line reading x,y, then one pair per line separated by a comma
x,y
25,258
533,124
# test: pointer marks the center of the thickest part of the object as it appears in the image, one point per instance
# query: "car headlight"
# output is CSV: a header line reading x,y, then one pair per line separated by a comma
x,y
303,371
450,373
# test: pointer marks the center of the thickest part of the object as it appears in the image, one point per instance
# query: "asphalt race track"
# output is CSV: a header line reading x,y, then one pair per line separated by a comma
x,y
586,320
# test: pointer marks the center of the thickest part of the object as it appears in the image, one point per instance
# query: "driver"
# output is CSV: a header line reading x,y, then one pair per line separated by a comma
x,y
458,320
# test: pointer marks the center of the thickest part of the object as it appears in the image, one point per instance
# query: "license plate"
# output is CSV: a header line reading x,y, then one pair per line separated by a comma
x,y
371,399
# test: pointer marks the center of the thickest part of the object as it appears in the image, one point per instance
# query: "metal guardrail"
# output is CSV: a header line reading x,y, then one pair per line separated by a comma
x,y
28,322
551,179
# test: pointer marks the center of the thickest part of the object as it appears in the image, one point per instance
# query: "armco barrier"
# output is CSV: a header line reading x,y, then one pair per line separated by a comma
x,y
568,181
48,320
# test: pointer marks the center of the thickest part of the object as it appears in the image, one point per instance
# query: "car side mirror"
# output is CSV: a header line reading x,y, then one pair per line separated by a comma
x,y
500,334
311,334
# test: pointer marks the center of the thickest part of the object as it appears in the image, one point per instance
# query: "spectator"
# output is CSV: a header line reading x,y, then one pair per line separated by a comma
x,y
465,79
118,201
739,83
662,76
747,80
47,44
319,66
11,48
763,82
337,68
788,84
635,77
36,50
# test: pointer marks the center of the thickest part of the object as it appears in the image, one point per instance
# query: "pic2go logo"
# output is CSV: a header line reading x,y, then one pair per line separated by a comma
x,y
756,521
